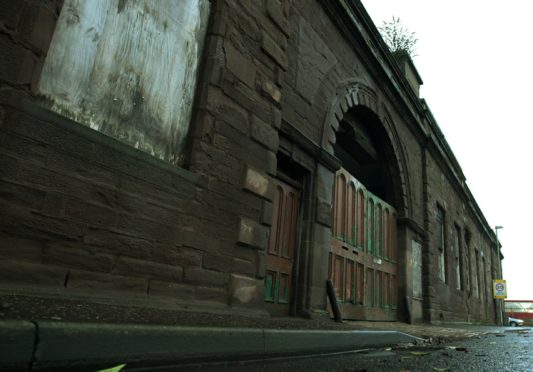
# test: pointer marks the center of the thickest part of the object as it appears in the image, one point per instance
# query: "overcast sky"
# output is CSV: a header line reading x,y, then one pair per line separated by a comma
x,y
475,58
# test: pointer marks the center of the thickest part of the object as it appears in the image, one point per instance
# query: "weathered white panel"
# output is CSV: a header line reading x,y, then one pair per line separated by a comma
x,y
416,249
128,69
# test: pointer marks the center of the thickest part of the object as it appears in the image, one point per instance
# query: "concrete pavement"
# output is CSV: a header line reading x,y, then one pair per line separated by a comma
x,y
62,345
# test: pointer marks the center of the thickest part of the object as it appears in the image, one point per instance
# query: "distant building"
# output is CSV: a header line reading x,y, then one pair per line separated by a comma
x,y
229,155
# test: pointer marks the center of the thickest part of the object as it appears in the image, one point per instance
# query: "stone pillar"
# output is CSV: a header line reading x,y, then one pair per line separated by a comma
x,y
321,239
410,303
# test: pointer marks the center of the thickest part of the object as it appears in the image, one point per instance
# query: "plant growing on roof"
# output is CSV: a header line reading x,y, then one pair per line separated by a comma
x,y
400,40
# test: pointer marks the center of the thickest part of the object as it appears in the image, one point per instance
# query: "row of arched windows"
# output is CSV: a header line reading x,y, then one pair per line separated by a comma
x,y
363,220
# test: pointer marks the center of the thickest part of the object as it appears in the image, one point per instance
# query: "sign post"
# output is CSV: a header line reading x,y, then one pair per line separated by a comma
x,y
500,289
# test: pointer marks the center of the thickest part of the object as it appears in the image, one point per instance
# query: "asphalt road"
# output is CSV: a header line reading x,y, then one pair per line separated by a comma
x,y
511,350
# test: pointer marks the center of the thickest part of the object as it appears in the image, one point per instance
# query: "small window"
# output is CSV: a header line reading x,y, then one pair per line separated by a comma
x,y
128,69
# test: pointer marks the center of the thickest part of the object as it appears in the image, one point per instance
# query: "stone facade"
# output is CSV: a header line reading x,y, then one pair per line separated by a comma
x,y
85,216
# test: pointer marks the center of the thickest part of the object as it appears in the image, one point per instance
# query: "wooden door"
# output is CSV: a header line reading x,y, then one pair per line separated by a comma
x,y
281,249
362,260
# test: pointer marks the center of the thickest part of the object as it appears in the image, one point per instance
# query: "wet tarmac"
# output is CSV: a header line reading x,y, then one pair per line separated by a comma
x,y
511,350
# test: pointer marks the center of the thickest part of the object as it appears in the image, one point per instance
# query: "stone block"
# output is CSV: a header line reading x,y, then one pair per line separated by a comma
x,y
251,233
96,282
273,49
224,109
116,243
217,263
35,275
271,163
36,225
275,12
260,267
246,291
323,212
11,12
325,179
54,204
198,240
266,213
75,255
21,196
239,65
20,249
318,60
36,27
257,182
270,90
204,125
180,256
199,276
264,134
91,214
276,118
211,294
171,289
228,264
243,266
17,64
136,267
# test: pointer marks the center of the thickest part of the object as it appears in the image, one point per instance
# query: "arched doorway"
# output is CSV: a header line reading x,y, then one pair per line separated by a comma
x,y
363,260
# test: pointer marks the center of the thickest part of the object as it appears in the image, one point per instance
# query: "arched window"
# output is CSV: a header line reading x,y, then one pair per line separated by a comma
x,y
379,230
371,223
393,244
361,219
276,231
351,214
339,223
386,234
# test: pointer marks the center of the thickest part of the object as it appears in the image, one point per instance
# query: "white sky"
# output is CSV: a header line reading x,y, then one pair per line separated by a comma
x,y
476,60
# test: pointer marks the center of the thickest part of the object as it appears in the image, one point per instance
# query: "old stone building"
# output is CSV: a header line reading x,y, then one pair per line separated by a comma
x,y
229,155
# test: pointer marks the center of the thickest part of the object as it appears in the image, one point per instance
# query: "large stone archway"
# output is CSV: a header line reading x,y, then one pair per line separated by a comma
x,y
359,95
367,250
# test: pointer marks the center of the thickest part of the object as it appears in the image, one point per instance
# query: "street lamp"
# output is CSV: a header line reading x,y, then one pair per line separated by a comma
x,y
496,228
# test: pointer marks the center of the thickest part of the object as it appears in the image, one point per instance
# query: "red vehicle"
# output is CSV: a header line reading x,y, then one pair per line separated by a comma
x,y
520,309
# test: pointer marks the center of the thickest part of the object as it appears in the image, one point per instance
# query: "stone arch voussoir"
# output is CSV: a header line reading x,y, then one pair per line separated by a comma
x,y
360,95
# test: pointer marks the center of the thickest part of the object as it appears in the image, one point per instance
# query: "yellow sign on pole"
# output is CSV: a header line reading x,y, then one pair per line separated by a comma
x,y
499,288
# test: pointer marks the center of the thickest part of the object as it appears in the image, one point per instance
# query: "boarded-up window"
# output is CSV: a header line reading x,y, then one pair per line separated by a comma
x,y
458,259
467,261
441,244
128,69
